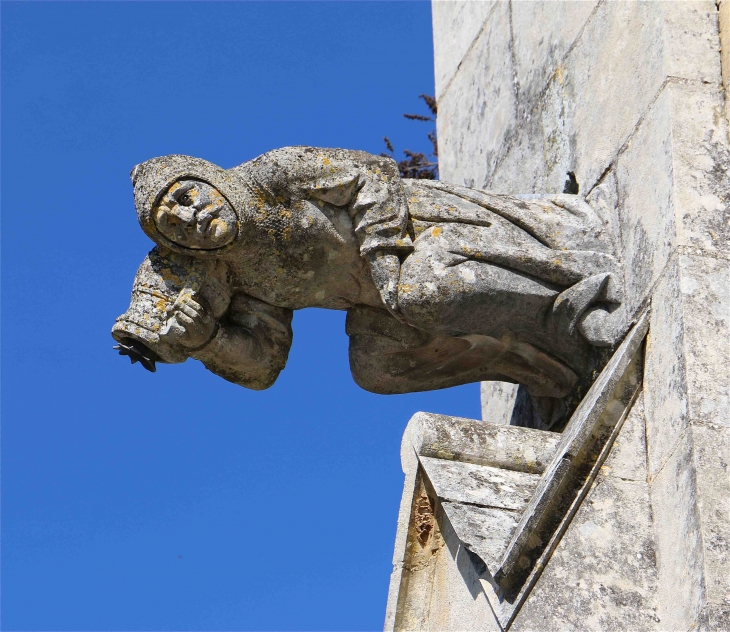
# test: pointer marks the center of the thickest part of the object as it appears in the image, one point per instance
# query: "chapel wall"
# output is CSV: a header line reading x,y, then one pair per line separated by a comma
x,y
629,96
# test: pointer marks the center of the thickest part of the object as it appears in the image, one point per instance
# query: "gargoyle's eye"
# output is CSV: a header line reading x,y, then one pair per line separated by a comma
x,y
185,199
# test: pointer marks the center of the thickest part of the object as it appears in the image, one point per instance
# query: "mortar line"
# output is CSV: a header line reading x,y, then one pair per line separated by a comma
x,y
671,260
544,90
696,251
478,505
468,52
624,146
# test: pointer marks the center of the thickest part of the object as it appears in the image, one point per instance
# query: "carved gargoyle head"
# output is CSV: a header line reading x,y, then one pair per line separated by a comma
x,y
188,205
194,214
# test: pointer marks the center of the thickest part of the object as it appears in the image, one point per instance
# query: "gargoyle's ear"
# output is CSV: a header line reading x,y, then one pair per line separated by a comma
x,y
133,174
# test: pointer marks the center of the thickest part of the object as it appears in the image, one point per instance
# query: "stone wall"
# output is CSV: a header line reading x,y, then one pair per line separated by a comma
x,y
629,96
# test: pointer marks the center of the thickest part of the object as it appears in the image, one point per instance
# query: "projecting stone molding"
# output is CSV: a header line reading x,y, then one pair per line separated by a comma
x,y
499,499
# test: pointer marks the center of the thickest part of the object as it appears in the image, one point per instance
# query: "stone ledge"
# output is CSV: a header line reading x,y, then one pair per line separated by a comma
x,y
508,493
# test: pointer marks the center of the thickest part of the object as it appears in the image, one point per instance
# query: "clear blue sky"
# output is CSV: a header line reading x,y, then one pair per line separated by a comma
x,y
175,500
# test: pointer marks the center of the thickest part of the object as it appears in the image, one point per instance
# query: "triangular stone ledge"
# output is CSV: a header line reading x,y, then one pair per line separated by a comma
x,y
509,493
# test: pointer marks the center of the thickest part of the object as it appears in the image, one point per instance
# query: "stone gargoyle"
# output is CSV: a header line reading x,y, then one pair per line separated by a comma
x,y
443,285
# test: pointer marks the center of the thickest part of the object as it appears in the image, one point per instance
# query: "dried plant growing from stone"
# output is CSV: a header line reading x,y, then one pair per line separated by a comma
x,y
418,165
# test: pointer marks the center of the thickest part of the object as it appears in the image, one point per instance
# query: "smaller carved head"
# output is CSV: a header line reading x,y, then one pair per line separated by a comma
x,y
194,214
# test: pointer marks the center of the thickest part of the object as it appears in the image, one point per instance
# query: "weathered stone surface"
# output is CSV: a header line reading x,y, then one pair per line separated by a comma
x,y
523,167
665,390
620,61
647,208
456,24
483,503
479,484
627,459
686,378
672,185
629,98
418,545
483,443
705,295
456,603
582,450
444,285
724,21
477,125
484,530
701,162
712,459
434,585
678,534
687,356
717,617
614,66
498,400
604,199
691,40
543,32
602,576
403,563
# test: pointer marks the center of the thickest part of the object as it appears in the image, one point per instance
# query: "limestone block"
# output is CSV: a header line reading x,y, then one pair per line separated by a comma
x,y
498,400
483,443
692,40
701,162
712,458
582,450
604,200
602,576
688,353
543,32
705,293
456,24
477,113
456,601
479,484
434,585
611,75
718,617
646,212
600,91
678,537
403,563
523,169
665,391
484,530
627,459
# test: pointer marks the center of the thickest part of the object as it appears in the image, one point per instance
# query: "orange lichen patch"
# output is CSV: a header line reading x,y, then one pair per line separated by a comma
x,y
326,161
437,231
170,276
